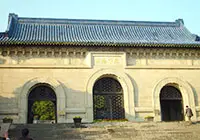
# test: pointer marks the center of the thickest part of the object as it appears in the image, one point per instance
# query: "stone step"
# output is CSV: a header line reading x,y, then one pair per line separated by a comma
x,y
154,131
42,125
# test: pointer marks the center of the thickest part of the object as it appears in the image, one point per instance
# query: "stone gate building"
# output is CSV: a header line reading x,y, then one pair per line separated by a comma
x,y
99,69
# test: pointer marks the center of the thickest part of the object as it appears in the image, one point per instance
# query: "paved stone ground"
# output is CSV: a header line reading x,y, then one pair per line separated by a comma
x,y
112,131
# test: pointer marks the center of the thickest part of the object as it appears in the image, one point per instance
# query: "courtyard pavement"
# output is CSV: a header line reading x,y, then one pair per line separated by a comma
x,y
112,131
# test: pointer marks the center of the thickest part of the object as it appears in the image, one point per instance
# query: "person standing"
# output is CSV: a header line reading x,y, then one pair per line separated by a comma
x,y
189,113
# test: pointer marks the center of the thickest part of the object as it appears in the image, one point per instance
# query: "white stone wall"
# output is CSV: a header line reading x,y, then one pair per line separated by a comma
x,y
72,74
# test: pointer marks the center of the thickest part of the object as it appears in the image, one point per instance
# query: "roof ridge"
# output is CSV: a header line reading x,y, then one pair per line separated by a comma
x,y
95,21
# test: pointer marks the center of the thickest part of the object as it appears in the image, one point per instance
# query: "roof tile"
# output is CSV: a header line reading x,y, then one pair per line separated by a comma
x,y
110,32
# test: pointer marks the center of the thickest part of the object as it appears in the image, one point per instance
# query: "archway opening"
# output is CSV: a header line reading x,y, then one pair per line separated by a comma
x,y
42,104
108,100
171,104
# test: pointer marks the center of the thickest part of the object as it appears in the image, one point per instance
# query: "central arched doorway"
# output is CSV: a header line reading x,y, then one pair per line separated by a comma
x,y
42,94
108,100
171,104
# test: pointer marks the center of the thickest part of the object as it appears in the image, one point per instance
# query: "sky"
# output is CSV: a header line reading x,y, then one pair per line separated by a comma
x,y
132,10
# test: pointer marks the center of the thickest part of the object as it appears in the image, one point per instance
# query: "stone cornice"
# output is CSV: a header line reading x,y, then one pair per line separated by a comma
x,y
81,52
43,67
82,58
164,67
42,52
163,53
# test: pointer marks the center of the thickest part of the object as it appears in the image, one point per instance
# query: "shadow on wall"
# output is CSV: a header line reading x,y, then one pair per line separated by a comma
x,y
9,105
136,91
195,95
77,96
8,108
76,103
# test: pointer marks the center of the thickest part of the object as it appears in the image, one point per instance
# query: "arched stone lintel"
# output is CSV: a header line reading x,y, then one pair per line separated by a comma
x,y
183,86
127,86
23,98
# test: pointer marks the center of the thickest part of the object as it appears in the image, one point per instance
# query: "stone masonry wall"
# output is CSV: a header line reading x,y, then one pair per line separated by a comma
x,y
138,71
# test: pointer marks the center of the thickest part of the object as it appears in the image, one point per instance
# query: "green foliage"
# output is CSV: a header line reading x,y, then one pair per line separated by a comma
x,y
7,120
99,101
44,109
148,117
77,117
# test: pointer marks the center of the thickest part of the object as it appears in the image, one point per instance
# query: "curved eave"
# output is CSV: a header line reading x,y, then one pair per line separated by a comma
x,y
182,45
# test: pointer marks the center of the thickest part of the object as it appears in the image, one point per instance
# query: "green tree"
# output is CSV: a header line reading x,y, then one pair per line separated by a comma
x,y
44,109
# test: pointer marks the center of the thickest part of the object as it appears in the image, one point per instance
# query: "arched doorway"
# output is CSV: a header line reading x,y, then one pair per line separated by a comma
x,y
41,93
171,104
108,101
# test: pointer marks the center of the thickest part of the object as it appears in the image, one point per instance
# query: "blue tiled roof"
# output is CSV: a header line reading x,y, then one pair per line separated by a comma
x,y
95,32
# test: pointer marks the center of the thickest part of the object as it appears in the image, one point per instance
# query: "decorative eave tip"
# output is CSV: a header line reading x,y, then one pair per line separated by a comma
x,y
10,20
13,15
180,21
197,38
